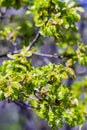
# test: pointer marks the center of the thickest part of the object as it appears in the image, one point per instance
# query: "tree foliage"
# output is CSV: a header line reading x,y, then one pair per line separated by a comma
x,y
45,87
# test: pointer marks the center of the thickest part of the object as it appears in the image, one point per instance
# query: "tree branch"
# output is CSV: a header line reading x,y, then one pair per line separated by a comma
x,y
82,4
18,51
12,53
34,40
35,53
47,55
24,105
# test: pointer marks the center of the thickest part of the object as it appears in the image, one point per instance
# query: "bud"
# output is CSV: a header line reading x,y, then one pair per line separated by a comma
x,y
74,102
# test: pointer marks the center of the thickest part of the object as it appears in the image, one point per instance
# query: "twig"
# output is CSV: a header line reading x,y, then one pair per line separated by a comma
x,y
82,4
34,40
18,51
3,56
47,55
38,95
12,53
24,105
35,53
81,73
80,127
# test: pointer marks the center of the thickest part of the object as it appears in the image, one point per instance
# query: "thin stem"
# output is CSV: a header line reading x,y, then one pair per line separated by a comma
x,y
31,43
82,5
80,127
18,51
47,55
24,105
35,53
34,41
